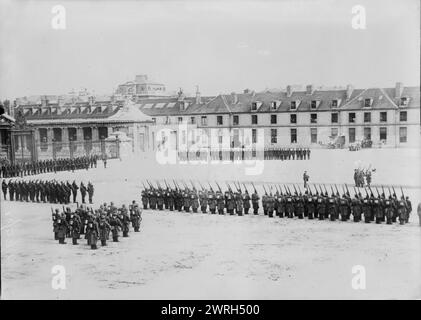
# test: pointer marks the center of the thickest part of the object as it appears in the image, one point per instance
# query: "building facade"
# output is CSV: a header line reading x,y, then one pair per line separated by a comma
x,y
141,87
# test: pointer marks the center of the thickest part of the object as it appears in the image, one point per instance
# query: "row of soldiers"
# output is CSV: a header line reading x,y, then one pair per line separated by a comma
x,y
312,203
240,153
44,166
362,177
51,191
95,224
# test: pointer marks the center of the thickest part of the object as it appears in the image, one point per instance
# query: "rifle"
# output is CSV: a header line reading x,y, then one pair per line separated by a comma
x,y
394,192
245,188
210,186
218,186
165,181
194,188
229,188
239,187
289,191
390,193
203,189
347,190
369,188
64,211
378,194
264,189
254,187
337,191
325,189
366,193
402,193
175,184
331,188
299,189
383,191
355,191
295,189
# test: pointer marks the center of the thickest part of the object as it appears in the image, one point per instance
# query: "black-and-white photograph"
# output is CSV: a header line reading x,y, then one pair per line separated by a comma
x,y
210,150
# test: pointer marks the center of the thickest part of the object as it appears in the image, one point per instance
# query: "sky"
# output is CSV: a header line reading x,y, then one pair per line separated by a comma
x,y
221,46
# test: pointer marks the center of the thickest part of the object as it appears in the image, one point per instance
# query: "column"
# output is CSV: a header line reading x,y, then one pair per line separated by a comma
x,y
95,134
65,141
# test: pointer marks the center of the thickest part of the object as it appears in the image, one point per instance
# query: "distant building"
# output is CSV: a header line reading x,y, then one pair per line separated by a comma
x,y
141,87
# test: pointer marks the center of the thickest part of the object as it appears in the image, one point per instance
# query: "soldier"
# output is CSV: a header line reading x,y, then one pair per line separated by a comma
x,y
270,204
194,200
367,209
408,208
343,207
321,206
419,212
220,202
90,191
186,200
145,198
289,206
246,202
61,229
104,229
230,203
125,221
83,191
170,197
378,210
12,189
203,197
75,224
152,199
389,210
299,203
4,188
212,201
255,202
306,177
239,203
160,199
402,210
92,232
74,189
115,224
136,216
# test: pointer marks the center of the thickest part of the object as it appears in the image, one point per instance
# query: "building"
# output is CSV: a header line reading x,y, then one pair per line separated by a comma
x,y
389,117
141,87
74,126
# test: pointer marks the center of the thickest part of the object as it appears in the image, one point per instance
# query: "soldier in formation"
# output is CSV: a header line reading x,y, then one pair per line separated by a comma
x,y
363,177
8,170
95,225
315,202
51,191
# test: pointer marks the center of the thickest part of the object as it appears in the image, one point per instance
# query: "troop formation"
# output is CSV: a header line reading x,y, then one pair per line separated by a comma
x,y
95,225
279,200
46,191
8,170
362,177
240,153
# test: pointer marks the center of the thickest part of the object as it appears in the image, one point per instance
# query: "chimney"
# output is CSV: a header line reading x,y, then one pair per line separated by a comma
x,y
234,98
289,91
198,99
310,89
91,100
398,89
349,89
180,95
44,101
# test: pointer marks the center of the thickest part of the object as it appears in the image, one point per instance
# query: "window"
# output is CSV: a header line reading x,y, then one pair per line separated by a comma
x,y
351,117
383,133
367,103
293,118
180,119
334,103
313,135
313,118
351,134
193,120
204,120
334,118
273,119
273,135
404,101
72,133
293,135
253,136
293,105
43,138
403,116
220,139
154,120
254,119
367,116
235,121
167,120
253,106
383,116
182,106
274,105
219,120
367,133
334,132
313,104
402,134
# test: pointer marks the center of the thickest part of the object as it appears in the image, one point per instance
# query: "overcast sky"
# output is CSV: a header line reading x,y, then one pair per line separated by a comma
x,y
220,46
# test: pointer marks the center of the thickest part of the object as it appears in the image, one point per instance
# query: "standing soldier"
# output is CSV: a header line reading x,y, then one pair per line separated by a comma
x,y
212,201
125,221
4,188
83,191
115,224
61,229
343,207
203,196
239,203
246,202
136,216
74,190
104,160
321,206
419,212
75,224
388,207
402,210
409,208
270,205
255,202
356,208
194,200
90,191
104,229
220,202
306,177
145,198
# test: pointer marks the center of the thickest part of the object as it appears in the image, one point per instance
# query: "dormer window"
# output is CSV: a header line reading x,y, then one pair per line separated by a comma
x,y
255,105
314,104
275,105
180,119
183,106
335,103
293,105
367,103
403,101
